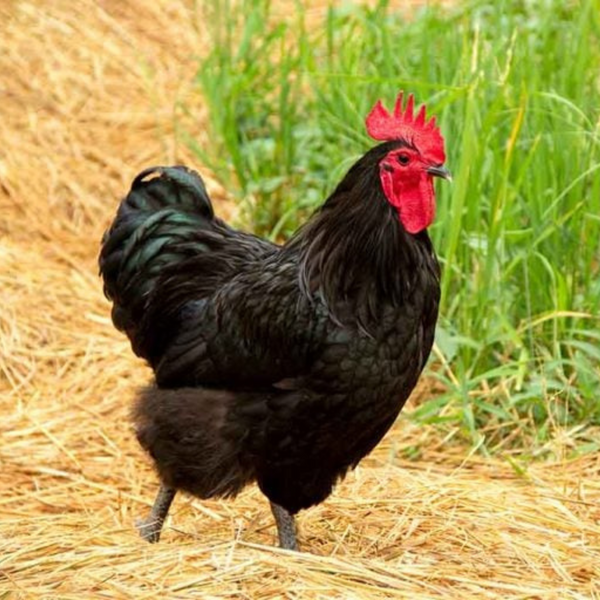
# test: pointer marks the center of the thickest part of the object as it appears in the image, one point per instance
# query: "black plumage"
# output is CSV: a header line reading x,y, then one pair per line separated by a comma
x,y
283,365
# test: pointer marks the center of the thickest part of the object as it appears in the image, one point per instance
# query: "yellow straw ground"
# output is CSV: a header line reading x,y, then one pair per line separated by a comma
x,y
89,94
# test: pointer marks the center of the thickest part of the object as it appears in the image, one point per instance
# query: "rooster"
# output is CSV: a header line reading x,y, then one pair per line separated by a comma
x,y
286,364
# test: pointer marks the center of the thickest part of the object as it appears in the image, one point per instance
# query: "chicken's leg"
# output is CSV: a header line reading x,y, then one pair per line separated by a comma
x,y
151,526
286,527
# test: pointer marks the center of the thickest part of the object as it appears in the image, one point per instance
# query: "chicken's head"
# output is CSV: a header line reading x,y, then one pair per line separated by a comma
x,y
407,171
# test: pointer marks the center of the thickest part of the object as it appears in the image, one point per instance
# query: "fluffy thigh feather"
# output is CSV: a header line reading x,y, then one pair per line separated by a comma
x,y
194,447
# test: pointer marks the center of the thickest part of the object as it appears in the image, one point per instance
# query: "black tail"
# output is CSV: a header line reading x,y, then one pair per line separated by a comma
x,y
154,227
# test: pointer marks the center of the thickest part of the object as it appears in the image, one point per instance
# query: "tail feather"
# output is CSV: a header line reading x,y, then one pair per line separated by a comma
x,y
174,186
156,225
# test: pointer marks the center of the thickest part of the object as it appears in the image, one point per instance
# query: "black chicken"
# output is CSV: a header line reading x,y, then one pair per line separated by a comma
x,y
283,365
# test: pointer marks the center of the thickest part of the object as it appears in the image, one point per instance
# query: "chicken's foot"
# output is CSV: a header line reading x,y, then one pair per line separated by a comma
x,y
286,527
151,526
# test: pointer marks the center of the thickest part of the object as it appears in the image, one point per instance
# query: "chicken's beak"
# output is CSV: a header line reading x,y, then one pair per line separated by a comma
x,y
440,171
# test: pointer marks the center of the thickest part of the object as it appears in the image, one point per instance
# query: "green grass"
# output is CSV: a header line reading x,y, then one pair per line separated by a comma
x,y
516,87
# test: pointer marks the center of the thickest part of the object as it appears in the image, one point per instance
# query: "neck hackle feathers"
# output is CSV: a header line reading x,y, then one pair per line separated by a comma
x,y
423,134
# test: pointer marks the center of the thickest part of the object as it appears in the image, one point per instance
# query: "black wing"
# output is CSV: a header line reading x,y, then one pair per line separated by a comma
x,y
256,329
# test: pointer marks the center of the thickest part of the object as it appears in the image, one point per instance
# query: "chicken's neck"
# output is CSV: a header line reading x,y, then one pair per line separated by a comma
x,y
356,256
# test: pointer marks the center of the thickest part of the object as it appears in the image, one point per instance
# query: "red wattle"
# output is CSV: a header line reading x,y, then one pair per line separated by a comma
x,y
415,203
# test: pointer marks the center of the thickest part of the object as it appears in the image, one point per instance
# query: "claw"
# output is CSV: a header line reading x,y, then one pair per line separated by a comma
x,y
149,529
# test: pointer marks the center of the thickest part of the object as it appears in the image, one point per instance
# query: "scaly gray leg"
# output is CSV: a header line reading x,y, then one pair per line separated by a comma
x,y
151,526
286,527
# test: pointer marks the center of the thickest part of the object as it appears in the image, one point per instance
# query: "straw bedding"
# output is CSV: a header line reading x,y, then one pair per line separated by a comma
x,y
88,91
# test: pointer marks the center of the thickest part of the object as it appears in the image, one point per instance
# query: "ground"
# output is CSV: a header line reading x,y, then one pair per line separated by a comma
x,y
90,95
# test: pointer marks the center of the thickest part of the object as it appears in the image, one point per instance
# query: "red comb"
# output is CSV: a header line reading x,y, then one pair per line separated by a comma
x,y
404,125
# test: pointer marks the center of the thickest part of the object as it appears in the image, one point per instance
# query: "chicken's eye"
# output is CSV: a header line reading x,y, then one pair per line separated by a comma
x,y
403,159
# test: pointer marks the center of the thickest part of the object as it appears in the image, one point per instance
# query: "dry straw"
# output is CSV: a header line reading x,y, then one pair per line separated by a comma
x,y
87,91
